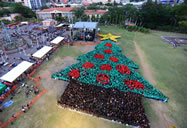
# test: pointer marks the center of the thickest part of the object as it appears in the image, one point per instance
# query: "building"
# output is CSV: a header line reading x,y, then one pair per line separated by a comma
x,y
96,13
51,13
33,4
49,22
36,4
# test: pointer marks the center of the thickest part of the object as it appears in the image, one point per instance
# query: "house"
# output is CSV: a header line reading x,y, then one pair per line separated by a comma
x,y
51,13
49,22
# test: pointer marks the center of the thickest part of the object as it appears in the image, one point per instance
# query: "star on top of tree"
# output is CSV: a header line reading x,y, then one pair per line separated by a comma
x,y
109,36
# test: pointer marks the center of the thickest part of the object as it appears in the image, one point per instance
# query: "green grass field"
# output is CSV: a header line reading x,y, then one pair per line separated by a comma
x,y
168,67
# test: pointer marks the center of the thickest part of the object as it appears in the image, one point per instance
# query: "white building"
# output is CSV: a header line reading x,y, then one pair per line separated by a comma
x,y
52,12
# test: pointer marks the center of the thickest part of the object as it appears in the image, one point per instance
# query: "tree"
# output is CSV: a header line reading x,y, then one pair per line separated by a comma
x,y
183,26
19,18
6,21
99,3
44,7
4,12
97,18
60,19
155,14
130,13
108,4
4,4
68,5
84,18
115,3
23,10
93,18
92,7
78,12
180,11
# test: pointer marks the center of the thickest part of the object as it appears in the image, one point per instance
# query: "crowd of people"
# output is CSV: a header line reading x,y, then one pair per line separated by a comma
x,y
44,37
26,42
36,39
109,103
24,108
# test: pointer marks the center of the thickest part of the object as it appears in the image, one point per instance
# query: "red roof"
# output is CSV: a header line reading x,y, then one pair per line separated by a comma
x,y
68,9
101,12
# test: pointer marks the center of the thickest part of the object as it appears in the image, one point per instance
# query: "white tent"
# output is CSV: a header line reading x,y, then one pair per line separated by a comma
x,y
60,25
17,71
71,25
42,52
57,40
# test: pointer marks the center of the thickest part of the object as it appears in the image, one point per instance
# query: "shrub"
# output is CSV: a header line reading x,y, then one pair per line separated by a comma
x,y
136,28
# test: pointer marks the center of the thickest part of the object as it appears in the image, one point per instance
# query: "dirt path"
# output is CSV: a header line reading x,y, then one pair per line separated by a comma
x,y
158,107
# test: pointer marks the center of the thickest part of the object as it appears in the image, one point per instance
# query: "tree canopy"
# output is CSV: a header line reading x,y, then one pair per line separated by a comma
x,y
151,15
16,8
44,7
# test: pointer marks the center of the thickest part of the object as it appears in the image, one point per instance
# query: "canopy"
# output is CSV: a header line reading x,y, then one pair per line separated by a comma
x,y
40,53
57,40
71,25
2,88
89,25
60,25
17,71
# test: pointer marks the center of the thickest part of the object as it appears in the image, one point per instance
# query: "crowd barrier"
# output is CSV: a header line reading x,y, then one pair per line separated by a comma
x,y
36,66
34,79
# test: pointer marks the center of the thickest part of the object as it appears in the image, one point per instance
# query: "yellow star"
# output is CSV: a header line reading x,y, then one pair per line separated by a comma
x,y
109,36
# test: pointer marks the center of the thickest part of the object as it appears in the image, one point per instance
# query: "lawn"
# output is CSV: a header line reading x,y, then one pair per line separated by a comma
x,y
168,67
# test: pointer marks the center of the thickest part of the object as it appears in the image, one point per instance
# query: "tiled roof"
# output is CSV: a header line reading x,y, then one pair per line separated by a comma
x,y
68,9
101,12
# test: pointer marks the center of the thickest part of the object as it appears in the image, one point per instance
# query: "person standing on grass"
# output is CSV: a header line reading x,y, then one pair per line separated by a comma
x,y
23,109
173,44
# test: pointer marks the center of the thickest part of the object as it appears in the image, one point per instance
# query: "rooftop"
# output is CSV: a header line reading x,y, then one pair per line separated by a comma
x,y
68,9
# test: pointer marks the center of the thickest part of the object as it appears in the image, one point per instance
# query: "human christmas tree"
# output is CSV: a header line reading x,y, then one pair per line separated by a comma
x,y
107,67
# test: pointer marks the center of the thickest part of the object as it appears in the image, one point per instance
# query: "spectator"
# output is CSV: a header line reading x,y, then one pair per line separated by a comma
x,y
110,103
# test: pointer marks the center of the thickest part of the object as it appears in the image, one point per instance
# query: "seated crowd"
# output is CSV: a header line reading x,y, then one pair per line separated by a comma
x,y
112,104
